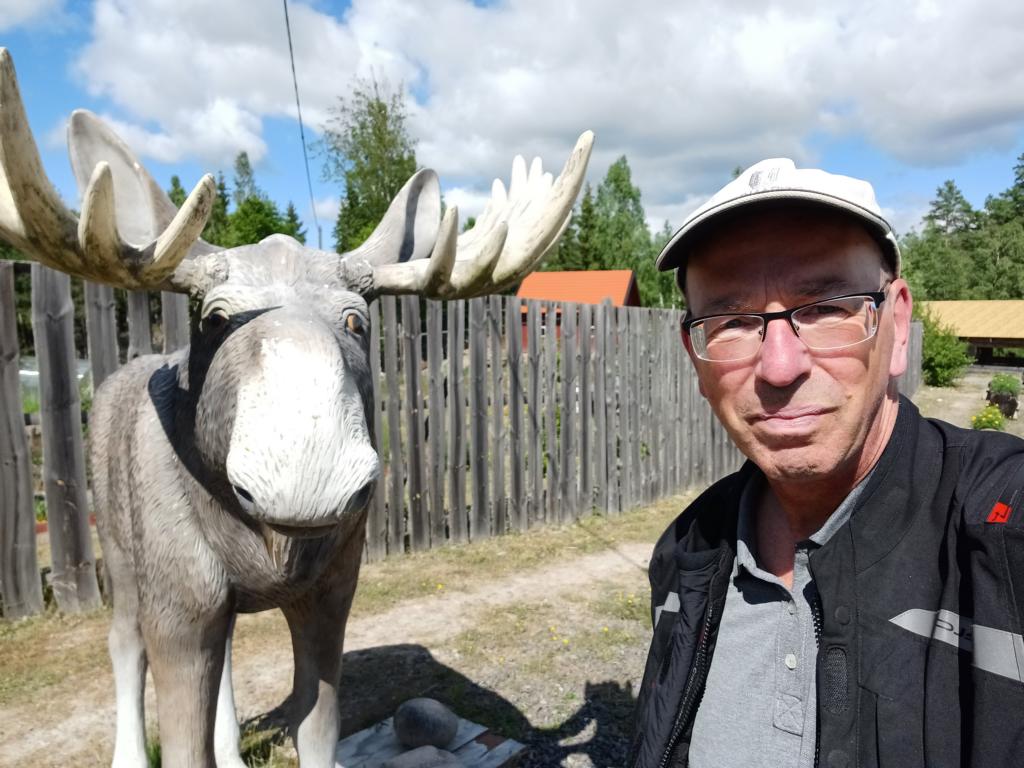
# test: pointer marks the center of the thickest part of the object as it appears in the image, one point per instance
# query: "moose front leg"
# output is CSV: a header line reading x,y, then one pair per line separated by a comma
x,y
187,659
317,624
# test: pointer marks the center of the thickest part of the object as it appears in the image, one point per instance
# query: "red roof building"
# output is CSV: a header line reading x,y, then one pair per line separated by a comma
x,y
592,286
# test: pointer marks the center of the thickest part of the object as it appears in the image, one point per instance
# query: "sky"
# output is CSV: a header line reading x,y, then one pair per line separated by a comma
x,y
903,94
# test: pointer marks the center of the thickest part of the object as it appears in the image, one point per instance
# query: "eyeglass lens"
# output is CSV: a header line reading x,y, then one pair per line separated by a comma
x,y
828,324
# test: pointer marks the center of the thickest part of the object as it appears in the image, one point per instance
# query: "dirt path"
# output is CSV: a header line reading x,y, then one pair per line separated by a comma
x,y
76,726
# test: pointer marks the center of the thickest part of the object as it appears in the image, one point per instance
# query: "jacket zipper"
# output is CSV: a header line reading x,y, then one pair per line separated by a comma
x,y
693,686
816,620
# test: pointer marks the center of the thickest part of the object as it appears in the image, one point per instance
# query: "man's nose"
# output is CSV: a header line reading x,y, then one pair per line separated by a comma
x,y
783,356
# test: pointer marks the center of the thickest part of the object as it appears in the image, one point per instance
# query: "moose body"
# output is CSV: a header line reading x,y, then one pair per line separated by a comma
x,y
234,476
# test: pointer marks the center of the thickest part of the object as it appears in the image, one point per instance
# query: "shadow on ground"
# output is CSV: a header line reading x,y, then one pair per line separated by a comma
x,y
376,680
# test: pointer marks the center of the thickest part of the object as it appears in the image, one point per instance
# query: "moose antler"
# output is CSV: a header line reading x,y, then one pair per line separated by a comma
x,y
35,221
509,240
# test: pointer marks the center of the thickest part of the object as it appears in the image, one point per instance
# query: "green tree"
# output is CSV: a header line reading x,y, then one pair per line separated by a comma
x,y
368,148
254,219
245,180
293,224
218,227
1009,204
950,213
177,192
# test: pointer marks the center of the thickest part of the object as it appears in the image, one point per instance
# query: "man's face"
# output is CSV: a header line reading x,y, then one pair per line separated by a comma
x,y
800,414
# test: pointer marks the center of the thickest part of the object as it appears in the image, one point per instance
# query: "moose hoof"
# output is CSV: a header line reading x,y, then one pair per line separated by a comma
x,y
425,722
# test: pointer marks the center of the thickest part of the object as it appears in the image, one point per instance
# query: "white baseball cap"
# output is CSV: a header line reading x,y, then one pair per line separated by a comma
x,y
778,179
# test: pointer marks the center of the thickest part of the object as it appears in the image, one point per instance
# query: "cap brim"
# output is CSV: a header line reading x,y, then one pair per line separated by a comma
x,y
676,251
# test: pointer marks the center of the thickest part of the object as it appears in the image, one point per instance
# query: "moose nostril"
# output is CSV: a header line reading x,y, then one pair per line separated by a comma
x,y
246,499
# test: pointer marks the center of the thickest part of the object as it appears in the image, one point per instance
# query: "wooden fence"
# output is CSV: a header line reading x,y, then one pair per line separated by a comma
x,y
493,415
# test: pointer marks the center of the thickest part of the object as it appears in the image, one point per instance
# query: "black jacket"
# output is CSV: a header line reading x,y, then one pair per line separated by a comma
x,y
920,659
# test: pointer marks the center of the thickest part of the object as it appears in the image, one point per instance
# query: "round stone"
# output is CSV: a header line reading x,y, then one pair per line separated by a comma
x,y
425,722
791,660
842,614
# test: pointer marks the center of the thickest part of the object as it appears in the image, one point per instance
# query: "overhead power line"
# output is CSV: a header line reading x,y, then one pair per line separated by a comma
x,y
302,132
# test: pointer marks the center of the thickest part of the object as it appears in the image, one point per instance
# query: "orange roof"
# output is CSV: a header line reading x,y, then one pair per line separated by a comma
x,y
591,286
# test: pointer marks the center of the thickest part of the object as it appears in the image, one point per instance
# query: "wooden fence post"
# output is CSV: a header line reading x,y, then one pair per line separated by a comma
x,y
436,421
140,332
20,585
376,519
535,409
480,519
101,331
174,320
419,530
396,469
514,341
495,318
74,569
458,522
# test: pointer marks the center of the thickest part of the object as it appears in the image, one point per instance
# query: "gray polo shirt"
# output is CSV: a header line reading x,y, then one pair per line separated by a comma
x,y
759,705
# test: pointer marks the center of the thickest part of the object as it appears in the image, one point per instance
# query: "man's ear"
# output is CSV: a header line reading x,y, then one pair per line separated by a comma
x,y
902,308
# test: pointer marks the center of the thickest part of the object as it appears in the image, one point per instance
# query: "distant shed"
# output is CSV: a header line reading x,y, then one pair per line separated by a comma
x,y
982,324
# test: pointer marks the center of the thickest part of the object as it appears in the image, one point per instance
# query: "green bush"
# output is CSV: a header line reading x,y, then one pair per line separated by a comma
x,y
989,418
943,355
1004,382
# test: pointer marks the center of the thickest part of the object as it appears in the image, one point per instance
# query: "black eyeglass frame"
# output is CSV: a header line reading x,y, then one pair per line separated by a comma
x,y
786,314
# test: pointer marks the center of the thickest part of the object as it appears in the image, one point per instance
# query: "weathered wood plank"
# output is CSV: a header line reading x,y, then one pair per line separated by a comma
x,y
412,359
495,317
101,331
20,585
376,518
567,437
436,421
480,516
535,413
551,407
174,320
585,503
600,363
514,341
74,568
396,466
615,402
458,521
140,331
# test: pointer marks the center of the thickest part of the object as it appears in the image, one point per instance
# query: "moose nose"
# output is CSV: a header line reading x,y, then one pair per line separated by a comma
x,y
362,497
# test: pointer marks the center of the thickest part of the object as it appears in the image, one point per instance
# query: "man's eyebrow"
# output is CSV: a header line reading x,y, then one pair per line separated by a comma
x,y
811,289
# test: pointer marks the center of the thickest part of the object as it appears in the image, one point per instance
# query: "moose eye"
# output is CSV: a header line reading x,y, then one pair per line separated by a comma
x,y
355,324
217,320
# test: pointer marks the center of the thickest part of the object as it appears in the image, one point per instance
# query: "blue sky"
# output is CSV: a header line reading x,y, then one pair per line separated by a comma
x,y
905,95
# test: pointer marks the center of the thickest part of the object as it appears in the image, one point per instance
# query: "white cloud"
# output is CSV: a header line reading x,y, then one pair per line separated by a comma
x,y
686,91
327,210
14,13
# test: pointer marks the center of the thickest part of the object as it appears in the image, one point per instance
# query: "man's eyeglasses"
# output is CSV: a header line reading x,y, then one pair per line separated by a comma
x,y
834,323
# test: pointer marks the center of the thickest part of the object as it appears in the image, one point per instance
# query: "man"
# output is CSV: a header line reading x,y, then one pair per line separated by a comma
x,y
854,595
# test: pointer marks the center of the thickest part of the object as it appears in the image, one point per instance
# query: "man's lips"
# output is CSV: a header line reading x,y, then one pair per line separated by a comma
x,y
791,414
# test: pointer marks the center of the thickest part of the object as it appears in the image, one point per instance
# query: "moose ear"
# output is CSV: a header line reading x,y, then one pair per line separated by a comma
x,y
409,228
142,208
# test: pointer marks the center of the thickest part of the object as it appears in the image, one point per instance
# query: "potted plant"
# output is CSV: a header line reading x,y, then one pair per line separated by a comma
x,y
1003,390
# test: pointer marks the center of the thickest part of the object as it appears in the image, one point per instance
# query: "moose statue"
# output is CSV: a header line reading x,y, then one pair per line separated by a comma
x,y
234,475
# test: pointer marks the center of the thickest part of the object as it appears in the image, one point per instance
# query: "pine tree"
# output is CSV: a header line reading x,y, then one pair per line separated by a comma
x,y
217,230
245,180
177,192
293,224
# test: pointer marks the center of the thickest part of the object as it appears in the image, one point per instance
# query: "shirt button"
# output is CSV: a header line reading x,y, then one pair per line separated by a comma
x,y
791,660
791,607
